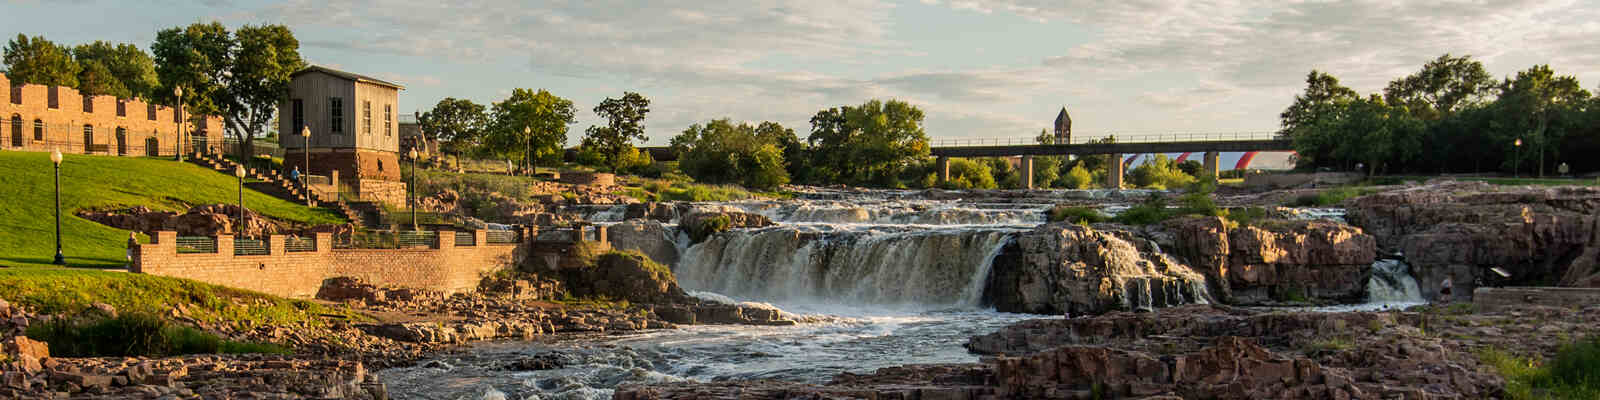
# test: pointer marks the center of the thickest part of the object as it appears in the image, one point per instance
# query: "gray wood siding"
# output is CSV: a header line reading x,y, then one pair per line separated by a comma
x,y
379,96
314,90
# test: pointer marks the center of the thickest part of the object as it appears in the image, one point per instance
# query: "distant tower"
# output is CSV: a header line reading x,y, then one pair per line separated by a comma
x,y
1063,127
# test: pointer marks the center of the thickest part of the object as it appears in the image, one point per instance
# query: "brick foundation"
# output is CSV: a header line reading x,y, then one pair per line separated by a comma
x,y
446,267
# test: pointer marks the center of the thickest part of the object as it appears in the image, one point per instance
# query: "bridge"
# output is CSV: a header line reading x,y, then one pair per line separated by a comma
x,y
1209,143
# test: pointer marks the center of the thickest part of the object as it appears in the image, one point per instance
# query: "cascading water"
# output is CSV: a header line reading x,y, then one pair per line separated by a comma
x,y
1391,283
844,265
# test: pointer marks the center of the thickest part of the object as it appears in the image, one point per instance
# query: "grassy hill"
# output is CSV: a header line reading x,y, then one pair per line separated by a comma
x,y
27,224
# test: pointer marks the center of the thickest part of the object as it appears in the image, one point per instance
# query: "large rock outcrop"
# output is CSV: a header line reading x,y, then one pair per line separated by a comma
x,y
1273,259
624,276
1454,230
1065,268
204,220
645,236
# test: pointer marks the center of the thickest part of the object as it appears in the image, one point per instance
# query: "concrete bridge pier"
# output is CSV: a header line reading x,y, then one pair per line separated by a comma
x,y
944,169
1114,174
1027,172
1211,162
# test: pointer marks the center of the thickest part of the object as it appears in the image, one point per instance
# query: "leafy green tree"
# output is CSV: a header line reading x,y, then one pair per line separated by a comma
x,y
1302,121
117,69
1159,173
530,126
870,143
1540,108
721,152
969,174
1077,178
1441,87
195,58
39,61
624,123
458,124
240,76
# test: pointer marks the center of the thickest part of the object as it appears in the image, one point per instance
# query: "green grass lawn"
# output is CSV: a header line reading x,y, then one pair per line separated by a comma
x,y
27,224
70,290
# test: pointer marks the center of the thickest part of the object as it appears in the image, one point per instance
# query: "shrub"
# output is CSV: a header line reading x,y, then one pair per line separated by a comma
x,y
136,334
705,227
1077,215
1330,197
1574,373
1152,210
1246,215
1077,178
969,174
1159,173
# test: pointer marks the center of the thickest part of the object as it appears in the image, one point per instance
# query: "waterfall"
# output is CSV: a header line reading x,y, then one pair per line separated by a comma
x,y
1391,282
863,265
890,212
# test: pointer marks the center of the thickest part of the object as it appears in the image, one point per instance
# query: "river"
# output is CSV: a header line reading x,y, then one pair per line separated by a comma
x,y
892,281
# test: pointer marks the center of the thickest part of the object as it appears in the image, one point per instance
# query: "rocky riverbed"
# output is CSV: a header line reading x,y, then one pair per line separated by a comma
x,y
912,294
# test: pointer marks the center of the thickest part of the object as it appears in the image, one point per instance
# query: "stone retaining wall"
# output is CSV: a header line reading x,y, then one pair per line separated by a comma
x,y
1488,299
589,178
444,267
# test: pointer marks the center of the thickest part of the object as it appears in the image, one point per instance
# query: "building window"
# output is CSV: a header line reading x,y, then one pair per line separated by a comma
x,y
151,110
366,117
16,125
122,108
388,119
336,114
16,94
38,130
299,109
88,104
54,98
122,141
88,138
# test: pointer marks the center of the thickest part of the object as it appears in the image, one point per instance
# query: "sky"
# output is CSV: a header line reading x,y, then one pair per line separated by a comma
x,y
979,69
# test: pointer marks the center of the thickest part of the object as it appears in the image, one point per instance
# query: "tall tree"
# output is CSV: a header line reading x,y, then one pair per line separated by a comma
x,y
1441,87
195,58
529,125
721,152
458,124
869,143
125,70
1322,91
39,61
240,76
624,123
1539,107
1304,119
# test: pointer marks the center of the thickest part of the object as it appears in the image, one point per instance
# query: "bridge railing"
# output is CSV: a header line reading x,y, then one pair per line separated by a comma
x,y
1116,138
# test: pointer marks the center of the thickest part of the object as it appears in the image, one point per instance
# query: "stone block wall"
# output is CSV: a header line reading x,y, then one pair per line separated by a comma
x,y
128,127
350,163
446,267
390,192
589,178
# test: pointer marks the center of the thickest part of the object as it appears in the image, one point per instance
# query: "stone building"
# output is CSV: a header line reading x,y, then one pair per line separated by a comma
x,y
1063,127
44,118
354,127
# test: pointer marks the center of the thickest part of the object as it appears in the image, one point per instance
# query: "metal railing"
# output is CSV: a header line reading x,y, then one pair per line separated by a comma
x,y
466,239
1115,138
298,244
196,244
417,238
250,247
503,237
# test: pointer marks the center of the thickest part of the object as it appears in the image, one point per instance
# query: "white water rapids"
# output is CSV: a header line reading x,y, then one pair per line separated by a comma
x,y
901,282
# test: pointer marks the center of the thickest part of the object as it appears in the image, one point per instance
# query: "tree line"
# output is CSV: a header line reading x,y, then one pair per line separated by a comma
x,y
1450,116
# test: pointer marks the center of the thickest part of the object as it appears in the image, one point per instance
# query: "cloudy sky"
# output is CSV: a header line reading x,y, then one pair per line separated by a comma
x,y
978,68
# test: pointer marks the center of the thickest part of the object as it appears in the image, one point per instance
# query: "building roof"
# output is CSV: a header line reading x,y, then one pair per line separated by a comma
x,y
347,75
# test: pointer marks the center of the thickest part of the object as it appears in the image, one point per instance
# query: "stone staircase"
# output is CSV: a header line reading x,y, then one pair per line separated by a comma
x,y
271,182
363,213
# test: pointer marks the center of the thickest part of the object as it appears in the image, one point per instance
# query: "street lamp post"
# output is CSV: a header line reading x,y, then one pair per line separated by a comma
x,y
412,188
55,158
177,91
305,131
1516,165
238,227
